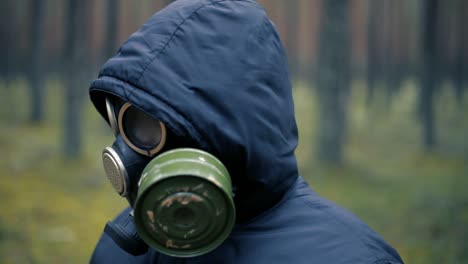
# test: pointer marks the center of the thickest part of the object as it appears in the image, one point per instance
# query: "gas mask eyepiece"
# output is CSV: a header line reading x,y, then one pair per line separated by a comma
x,y
143,133
139,136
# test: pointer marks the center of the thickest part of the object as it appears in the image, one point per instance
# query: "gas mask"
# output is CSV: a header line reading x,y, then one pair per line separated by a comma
x,y
181,198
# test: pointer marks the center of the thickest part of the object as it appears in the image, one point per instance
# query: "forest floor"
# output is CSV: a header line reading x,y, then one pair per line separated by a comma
x,y
54,210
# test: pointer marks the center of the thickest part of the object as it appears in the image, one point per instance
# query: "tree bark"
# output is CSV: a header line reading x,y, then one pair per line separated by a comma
x,y
333,80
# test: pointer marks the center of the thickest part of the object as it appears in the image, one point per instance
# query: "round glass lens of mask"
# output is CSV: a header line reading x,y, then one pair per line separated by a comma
x,y
141,129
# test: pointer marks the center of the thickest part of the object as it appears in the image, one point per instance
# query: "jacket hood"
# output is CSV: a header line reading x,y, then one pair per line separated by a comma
x,y
214,71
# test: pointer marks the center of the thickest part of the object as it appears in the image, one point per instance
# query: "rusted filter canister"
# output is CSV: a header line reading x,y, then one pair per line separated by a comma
x,y
184,206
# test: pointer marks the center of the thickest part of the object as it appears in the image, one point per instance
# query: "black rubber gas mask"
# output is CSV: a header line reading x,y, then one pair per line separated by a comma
x,y
138,138
181,197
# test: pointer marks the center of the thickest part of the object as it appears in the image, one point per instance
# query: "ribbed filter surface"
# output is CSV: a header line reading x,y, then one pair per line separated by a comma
x,y
114,173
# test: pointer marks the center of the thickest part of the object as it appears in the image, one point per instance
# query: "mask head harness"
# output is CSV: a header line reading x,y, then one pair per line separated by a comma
x,y
181,197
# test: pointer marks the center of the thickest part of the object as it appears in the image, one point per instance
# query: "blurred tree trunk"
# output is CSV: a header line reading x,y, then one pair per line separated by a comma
x,y
372,49
444,40
461,67
74,56
394,71
4,38
333,80
36,71
112,28
429,80
386,49
9,26
291,8
404,42
464,43
464,32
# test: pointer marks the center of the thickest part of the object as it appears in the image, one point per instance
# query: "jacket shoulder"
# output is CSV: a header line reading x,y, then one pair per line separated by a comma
x,y
307,228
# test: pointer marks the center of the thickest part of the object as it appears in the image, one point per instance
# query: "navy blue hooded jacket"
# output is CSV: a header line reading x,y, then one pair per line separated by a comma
x,y
215,71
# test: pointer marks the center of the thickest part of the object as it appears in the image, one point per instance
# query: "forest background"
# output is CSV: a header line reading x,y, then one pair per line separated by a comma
x,y
379,88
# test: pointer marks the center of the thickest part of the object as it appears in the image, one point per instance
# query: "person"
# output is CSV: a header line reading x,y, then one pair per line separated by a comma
x,y
211,76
